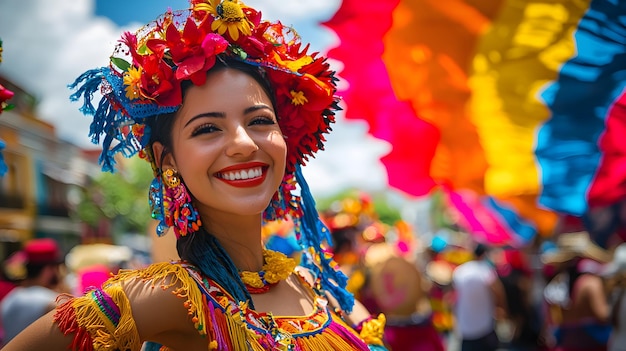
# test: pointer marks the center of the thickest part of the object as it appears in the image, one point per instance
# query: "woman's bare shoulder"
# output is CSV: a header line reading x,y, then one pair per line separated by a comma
x,y
157,297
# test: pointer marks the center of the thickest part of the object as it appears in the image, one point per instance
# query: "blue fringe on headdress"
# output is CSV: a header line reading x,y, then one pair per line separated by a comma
x,y
103,116
112,117
313,233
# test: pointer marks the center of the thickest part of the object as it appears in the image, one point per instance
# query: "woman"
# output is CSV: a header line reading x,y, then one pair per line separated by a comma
x,y
578,308
397,286
226,108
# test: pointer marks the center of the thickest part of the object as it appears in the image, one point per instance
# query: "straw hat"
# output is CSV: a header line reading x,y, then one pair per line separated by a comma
x,y
439,272
573,245
396,286
82,256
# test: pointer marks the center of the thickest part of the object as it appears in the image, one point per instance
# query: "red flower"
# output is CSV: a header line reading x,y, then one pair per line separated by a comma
x,y
303,102
158,82
193,52
5,94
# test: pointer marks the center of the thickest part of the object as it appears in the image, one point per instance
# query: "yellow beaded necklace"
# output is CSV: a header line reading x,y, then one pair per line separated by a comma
x,y
277,267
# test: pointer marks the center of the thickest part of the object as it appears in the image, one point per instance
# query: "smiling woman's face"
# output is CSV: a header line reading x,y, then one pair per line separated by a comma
x,y
227,145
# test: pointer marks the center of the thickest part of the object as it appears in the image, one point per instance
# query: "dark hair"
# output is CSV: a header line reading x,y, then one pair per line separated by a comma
x,y
34,270
480,250
201,248
344,239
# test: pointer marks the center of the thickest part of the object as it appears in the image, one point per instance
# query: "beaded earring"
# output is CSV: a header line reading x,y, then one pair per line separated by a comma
x,y
176,208
283,203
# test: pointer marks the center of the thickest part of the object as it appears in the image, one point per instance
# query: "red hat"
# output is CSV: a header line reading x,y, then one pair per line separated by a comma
x,y
42,251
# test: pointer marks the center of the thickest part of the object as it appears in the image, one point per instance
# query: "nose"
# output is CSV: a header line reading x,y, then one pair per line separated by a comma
x,y
242,143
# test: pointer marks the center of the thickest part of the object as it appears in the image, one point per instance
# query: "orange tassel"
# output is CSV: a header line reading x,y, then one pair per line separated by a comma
x,y
65,317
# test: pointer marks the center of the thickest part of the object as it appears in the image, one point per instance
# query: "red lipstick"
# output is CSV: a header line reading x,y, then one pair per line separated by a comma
x,y
229,174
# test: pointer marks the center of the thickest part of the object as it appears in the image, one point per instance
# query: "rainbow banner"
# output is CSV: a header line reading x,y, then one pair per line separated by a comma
x,y
519,102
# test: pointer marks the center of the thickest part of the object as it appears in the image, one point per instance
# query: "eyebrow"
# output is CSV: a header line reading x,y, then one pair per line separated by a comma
x,y
223,115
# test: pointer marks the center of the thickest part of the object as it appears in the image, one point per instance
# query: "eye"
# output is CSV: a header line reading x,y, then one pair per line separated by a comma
x,y
204,129
263,120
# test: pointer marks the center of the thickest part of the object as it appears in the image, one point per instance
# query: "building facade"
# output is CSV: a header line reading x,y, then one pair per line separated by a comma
x,y
44,179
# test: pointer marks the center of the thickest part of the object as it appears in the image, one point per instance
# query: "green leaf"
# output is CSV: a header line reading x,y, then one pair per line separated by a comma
x,y
120,63
142,50
240,52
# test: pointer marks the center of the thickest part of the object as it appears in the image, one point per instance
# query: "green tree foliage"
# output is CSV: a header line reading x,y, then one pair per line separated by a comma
x,y
121,197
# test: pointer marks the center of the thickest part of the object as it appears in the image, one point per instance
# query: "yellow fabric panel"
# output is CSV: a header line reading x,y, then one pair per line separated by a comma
x,y
520,53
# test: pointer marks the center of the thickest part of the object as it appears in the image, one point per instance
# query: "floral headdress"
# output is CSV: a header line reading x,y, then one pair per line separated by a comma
x,y
5,96
143,80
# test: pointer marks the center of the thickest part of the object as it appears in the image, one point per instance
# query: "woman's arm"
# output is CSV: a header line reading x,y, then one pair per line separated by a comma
x,y
594,287
43,334
122,315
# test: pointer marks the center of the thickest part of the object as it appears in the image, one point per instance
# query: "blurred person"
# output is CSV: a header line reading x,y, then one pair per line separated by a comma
x,y
90,265
480,302
226,108
522,312
37,269
441,296
354,226
576,297
615,274
400,292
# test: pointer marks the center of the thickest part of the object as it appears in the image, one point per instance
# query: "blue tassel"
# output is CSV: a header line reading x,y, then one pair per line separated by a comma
x,y
3,166
151,346
115,112
104,117
107,158
93,79
313,233
100,117
211,258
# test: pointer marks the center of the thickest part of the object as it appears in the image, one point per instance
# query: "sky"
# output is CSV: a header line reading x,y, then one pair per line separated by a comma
x,y
47,44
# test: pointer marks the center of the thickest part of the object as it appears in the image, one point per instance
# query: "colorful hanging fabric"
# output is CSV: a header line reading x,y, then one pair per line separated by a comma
x,y
515,101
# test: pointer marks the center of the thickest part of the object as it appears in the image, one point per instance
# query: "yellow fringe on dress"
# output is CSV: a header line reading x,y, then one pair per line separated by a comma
x,y
223,320
86,314
168,275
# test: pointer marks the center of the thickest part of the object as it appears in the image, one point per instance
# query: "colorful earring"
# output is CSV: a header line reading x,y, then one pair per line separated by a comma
x,y
283,203
177,209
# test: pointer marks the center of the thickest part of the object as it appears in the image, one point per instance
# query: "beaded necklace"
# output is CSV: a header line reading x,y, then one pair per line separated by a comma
x,y
277,267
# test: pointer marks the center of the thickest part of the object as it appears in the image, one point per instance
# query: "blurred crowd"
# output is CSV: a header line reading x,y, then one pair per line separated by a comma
x,y
439,292
36,274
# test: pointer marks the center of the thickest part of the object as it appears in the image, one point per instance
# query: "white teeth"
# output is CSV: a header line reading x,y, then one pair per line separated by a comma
x,y
249,174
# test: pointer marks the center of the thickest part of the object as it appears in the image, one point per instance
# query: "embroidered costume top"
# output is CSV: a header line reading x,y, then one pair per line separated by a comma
x,y
102,320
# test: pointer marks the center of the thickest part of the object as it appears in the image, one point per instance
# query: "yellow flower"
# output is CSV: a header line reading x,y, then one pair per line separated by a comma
x,y
373,330
298,98
293,65
229,16
132,79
